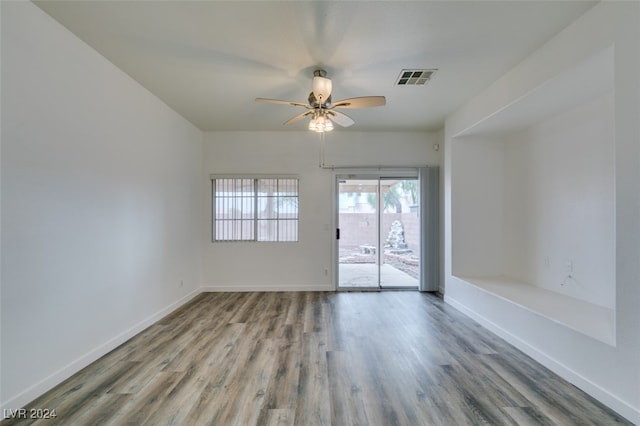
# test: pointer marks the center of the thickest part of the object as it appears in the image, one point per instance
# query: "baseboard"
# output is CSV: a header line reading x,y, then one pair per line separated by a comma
x,y
210,288
69,370
621,407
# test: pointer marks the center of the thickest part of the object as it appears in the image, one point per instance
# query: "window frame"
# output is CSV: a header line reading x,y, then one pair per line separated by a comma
x,y
256,215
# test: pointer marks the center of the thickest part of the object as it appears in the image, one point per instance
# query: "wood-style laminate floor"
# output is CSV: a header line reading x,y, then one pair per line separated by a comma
x,y
375,358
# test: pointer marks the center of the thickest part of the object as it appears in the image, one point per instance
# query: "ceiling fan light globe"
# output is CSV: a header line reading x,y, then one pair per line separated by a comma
x,y
328,126
321,87
321,123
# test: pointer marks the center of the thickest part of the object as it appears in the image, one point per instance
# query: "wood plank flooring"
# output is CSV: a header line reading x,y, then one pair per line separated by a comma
x,y
374,358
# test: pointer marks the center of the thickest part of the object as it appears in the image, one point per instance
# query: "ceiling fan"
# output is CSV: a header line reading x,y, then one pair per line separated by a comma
x,y
320,107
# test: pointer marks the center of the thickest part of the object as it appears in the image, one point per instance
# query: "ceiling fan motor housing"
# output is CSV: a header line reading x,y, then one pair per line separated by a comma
x,y
315,102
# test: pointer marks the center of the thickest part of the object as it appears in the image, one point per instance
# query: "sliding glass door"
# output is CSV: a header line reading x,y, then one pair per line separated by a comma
x,y
378,232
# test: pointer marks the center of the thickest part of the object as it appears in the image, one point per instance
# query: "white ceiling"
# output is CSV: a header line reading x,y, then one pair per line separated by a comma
x,y
208,60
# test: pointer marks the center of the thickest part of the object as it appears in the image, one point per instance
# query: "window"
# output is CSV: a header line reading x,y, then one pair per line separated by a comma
x,y
255,209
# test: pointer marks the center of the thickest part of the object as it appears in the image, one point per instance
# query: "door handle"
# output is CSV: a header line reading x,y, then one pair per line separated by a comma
x,y
337,233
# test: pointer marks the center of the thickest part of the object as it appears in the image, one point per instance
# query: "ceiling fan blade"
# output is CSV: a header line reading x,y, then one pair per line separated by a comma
x,y
278,101
362,102
340,118
297,117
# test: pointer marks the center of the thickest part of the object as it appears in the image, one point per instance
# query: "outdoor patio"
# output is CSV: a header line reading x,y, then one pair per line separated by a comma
x,y
358,269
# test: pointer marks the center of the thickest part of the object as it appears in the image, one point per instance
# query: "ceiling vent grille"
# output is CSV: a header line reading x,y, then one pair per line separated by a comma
x,y
414,77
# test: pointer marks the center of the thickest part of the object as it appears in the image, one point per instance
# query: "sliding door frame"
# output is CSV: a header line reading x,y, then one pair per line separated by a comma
x,y
376,175
429,184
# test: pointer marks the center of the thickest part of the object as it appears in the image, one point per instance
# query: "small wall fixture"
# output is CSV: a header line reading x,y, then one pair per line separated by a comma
x,y
436,147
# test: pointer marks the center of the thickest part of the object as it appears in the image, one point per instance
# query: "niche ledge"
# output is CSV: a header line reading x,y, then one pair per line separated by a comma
x,y
592,320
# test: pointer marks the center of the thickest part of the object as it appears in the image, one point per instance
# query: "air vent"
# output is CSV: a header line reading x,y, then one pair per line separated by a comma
x,y
414,77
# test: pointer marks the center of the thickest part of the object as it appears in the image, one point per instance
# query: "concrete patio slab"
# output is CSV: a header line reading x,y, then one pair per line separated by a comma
x,y
365,275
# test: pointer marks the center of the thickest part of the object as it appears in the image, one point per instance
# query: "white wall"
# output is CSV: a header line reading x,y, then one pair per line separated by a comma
x,y
528,204
300,265
611,374
559,203
101,196
478,207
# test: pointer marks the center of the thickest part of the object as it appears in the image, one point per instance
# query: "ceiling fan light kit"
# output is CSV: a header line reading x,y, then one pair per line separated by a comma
x,y
320,124
320,107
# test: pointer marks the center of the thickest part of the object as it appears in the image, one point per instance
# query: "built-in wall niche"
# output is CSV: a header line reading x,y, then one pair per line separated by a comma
x,y
533,207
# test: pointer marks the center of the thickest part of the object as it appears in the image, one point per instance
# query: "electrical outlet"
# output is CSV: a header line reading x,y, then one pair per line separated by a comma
x,y
569,267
